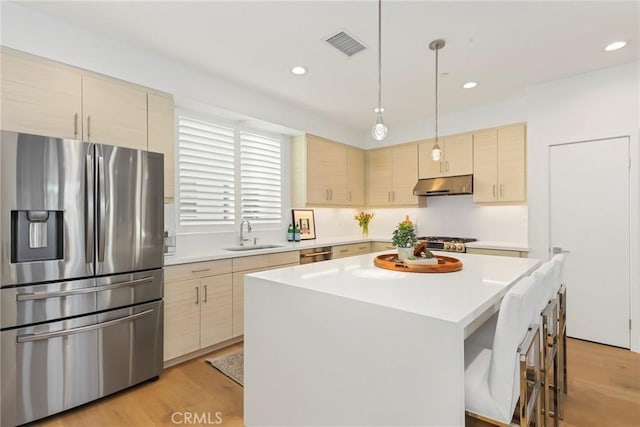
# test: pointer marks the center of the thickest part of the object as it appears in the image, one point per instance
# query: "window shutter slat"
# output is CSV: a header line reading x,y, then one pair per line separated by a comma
x,y
260,178
206,173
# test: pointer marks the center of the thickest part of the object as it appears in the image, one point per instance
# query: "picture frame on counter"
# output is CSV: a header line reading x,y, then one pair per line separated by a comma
x,y
306,220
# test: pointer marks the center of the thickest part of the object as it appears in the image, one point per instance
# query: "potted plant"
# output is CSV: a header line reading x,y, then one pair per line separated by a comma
x,y
404,238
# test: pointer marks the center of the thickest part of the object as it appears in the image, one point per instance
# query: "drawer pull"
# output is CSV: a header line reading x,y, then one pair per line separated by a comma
x,y
315,254
344,250
202,270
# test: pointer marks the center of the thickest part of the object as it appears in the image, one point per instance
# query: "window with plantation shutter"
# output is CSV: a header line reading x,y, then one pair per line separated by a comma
x,y
206,156
260,178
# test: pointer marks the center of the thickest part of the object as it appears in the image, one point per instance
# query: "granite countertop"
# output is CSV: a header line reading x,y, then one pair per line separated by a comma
x,y
185,257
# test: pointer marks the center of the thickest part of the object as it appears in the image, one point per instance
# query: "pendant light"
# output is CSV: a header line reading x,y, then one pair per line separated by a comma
x,y
380,130
435,151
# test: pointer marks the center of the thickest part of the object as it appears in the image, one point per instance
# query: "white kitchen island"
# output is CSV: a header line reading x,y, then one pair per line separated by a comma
x,y
345,343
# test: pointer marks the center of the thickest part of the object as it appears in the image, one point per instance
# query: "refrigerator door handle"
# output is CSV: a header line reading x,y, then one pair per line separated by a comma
x,y
70,292
102,205
88,237
63,333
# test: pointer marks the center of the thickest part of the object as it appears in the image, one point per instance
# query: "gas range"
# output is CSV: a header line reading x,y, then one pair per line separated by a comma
x,y
449,244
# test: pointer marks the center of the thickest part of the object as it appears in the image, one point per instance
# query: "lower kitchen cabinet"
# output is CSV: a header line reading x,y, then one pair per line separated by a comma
x,y
198,307
498,252
382,246
352,249
254,264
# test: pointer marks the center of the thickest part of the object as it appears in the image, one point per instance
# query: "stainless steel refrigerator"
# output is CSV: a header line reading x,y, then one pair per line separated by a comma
x,y
81,256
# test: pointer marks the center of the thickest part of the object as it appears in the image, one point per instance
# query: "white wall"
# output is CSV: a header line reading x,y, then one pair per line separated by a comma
x,y
444,216
600,104
481,117
29,31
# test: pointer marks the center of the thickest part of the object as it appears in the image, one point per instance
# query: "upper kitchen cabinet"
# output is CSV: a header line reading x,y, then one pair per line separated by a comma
x,y
40,97
392,173
44,97
325,172
499,165
456,157
161,133
114,112
355,176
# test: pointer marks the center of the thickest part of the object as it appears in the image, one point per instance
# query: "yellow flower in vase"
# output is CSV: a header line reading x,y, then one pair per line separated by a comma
x,y
363,221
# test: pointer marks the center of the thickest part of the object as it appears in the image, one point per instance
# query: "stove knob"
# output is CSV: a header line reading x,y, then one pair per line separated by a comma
x,y
459,247
447,246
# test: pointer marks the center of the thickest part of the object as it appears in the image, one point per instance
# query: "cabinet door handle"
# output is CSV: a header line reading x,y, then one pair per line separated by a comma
x,y
446,166
388,196
440,167
326,196
88,127
393,196
349,195
75,125
494,191
331,194
501,190
205,294
197,295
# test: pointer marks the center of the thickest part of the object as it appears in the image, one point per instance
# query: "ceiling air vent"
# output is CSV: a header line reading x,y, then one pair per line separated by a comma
x,y
345,43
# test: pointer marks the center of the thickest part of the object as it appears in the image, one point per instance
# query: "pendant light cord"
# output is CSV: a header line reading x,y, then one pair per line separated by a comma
x,y
379,55
437,96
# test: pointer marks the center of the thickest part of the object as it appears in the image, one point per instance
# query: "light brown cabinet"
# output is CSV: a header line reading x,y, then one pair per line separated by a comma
x,y
355,176
40,97
161,134
351,249
44,97
114,112
253,264
197,307
498,252
500,165
382,246
456,158
326,173
392,172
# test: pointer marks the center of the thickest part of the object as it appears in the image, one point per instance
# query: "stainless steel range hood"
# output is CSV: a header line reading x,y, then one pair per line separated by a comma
x,y
446,186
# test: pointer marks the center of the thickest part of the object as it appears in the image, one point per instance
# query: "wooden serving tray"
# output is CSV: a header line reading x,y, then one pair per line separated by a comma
x,y
446,264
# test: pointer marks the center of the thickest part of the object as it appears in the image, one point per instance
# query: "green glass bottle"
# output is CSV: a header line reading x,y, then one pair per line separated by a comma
x,y
290,233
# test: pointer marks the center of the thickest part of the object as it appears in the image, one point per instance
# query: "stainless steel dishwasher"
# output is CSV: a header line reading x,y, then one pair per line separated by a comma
x,y
315,254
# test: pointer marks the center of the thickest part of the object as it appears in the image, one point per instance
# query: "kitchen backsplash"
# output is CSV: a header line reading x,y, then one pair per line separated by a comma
x,y
445,216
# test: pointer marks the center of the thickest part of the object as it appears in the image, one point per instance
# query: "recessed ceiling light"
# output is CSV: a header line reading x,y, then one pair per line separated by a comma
x,y
469,85
615,45
298,70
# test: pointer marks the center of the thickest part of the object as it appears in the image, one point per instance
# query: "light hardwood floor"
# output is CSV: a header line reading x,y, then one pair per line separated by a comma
x,y
604,390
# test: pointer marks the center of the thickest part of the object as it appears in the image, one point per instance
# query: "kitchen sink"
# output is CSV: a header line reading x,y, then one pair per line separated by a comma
x,y
252,247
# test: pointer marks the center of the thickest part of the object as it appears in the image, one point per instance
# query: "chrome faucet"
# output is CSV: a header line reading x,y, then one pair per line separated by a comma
x,y
242,239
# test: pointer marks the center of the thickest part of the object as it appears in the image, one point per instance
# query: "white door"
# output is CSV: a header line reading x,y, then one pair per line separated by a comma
x,y
589,218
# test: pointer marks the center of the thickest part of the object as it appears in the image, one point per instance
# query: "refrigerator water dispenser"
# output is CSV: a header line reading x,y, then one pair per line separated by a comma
x,y
36,236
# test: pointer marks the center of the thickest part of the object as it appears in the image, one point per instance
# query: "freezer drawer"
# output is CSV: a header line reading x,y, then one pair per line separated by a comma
x,y
55,366
25,305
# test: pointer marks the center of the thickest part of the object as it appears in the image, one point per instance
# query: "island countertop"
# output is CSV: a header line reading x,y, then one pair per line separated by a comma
x,y
457,297
343,342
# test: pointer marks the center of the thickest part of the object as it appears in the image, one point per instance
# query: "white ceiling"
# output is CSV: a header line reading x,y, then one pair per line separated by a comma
x,y
504,46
